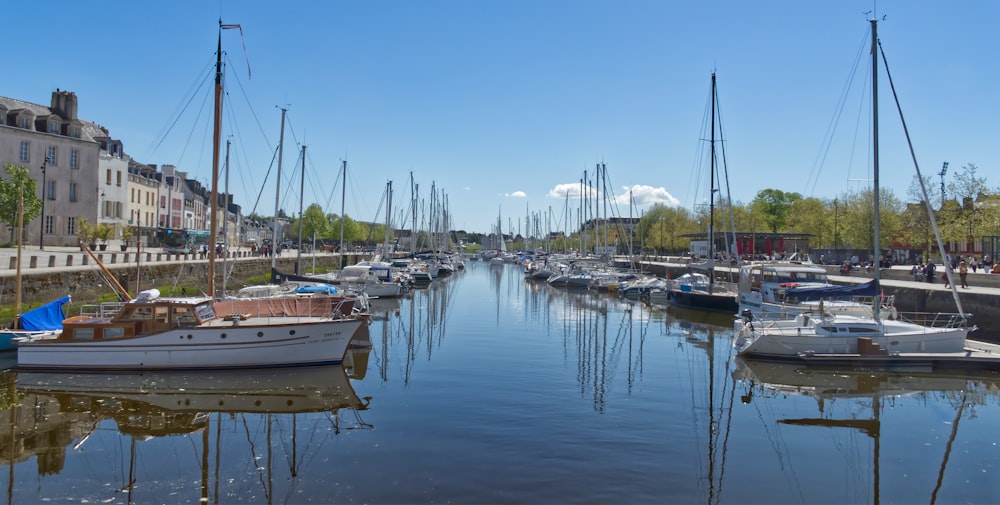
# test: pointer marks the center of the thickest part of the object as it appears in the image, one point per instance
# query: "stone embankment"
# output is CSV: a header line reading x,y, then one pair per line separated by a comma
x,y
56,272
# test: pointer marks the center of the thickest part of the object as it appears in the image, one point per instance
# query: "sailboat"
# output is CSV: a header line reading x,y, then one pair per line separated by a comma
x,y
696,290
152,332
829,335
41,322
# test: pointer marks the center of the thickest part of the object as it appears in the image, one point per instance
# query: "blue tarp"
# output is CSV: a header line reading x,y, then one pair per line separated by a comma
x,y
326,290
47,317
806,293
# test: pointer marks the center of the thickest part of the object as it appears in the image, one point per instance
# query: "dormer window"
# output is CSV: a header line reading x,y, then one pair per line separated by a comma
x,y
24,122
53,127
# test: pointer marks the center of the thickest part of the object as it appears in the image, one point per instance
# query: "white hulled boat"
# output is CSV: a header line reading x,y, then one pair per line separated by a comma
x,y
841,334
150,332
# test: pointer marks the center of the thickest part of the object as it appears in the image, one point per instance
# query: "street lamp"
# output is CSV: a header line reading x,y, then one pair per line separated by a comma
x,y
41,228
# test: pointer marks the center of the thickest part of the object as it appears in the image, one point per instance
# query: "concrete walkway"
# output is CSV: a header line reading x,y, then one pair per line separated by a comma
x,y
55,258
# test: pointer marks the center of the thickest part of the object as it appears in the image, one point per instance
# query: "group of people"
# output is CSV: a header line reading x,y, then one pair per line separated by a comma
x,y
956,264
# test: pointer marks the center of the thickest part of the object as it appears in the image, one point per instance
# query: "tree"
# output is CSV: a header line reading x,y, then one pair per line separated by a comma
x,y
774,205
18,182
314,222
966,186
662,227
811,216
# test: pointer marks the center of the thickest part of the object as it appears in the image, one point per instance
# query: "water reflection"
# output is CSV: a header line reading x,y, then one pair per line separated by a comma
x,y
898,408
250,431
404,328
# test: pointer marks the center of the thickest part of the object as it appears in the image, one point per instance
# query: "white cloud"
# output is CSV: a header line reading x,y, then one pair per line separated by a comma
x,y
516,194
570,190
646,196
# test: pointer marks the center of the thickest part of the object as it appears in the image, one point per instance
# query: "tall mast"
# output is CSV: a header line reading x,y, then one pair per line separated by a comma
x,y
343,201
875,186
17,277
216,136
302,192
413,219
225,225
711,194
276,239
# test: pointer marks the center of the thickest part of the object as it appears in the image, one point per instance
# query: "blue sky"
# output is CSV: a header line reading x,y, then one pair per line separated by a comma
x,y
503,105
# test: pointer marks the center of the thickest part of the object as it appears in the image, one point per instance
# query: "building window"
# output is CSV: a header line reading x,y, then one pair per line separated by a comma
x,y
50,190
107,176
118,182
25,152
71,226
74,158
72,191
50,225
51,156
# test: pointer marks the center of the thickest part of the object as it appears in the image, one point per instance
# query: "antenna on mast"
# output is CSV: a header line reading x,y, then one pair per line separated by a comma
x,y
944,170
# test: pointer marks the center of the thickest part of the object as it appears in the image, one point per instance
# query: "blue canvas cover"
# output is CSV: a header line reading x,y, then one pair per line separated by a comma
x,y
326,290
47,317
807,293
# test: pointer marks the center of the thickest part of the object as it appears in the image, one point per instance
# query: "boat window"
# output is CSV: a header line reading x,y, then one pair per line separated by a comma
x,y
140,313
184,316
205,312
861,329
160,314
83,334
829,329
114,332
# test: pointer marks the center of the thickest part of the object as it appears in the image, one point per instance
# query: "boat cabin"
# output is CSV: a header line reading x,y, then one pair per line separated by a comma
x,y
143,316
771,280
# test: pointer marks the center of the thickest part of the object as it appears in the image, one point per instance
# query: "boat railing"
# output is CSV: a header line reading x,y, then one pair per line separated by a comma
x,y
101,310
937,319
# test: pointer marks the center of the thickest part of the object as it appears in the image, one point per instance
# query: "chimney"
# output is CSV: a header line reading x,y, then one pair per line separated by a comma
x,y
64,104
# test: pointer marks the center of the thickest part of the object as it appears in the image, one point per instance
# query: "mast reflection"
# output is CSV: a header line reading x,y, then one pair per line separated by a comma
x,y
50,417
857,400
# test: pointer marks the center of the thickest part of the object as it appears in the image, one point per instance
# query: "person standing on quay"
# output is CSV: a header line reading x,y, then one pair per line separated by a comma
x,y
963,273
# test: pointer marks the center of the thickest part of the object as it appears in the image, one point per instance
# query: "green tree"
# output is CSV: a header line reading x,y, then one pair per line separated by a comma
x,y
314,222
774,205
18,182
812,217
663,226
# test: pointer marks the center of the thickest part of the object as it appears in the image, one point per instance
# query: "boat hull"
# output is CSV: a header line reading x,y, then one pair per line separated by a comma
x,y
700,300
787,340
270,342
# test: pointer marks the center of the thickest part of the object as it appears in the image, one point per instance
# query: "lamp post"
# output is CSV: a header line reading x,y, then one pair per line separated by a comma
x,y
41,228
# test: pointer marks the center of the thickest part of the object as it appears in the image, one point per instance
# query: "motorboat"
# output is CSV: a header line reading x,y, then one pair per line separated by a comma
x,y
182,333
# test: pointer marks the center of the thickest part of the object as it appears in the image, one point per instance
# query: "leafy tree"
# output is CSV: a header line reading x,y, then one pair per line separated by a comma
x,y
663,226
810,216
314,222
18,182
774,205
857,218
966,185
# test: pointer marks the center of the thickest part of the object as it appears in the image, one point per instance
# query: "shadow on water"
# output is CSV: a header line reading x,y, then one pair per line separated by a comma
x,y
278,418
857,401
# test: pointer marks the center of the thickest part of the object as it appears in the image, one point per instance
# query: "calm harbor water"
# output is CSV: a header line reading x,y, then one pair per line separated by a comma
x,y
485,388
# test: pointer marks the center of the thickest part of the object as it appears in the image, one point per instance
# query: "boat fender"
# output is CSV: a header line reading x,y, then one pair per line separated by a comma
x,y
148,295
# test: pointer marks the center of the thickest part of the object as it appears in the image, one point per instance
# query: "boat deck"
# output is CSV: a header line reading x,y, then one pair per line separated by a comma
x,y
977,356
